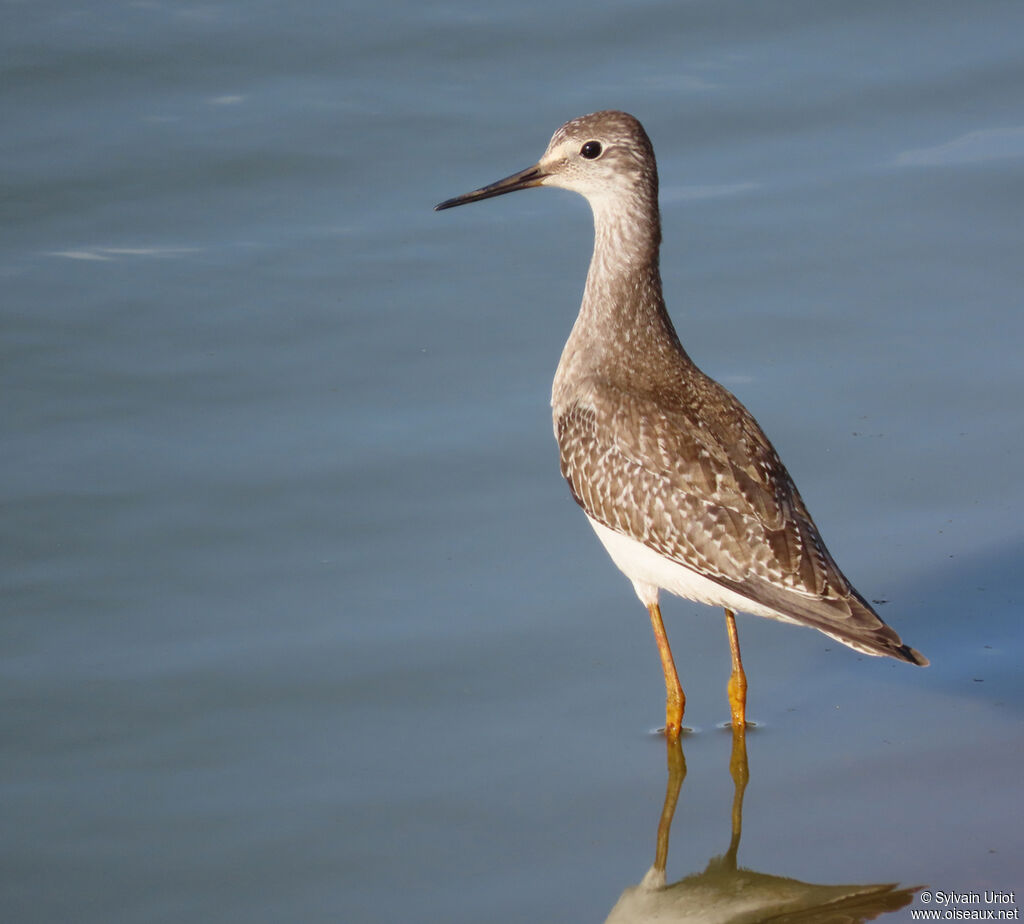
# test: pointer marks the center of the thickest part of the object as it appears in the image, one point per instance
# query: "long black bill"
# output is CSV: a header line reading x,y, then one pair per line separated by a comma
x,y
524,179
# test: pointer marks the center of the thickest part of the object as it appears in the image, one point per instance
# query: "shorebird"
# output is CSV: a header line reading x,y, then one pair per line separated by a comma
x,y
674,474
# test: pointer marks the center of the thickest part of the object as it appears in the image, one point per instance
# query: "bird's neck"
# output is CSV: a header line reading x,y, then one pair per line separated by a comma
x,y
623,333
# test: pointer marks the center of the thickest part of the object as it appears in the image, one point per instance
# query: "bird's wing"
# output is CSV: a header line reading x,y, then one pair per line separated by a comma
x,y
704,489
700,484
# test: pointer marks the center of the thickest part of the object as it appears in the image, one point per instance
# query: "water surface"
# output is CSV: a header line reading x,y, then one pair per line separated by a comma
x,y
300,621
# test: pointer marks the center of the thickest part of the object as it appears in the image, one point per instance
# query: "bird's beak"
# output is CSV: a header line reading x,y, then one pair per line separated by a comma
x,y
524,179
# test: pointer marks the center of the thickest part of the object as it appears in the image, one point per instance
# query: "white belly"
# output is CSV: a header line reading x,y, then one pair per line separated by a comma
x,y
649,571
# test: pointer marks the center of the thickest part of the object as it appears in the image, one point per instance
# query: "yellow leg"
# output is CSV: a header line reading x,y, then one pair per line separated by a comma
x,y
675,701
737,679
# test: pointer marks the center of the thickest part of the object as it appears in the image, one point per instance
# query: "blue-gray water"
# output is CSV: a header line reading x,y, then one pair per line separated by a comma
x,y
299,620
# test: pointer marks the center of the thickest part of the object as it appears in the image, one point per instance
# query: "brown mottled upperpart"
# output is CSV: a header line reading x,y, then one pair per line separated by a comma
x,y
675,475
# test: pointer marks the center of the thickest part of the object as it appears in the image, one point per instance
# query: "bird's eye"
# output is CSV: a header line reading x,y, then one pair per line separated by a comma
x,y
591,150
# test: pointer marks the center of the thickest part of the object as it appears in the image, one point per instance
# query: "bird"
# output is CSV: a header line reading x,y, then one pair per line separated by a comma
x,y
674,474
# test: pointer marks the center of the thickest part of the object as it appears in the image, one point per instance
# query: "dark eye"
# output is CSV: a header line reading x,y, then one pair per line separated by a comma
x,y
591,150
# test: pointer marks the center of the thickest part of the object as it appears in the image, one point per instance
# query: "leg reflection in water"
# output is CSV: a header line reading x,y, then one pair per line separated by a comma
x,y
726,892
